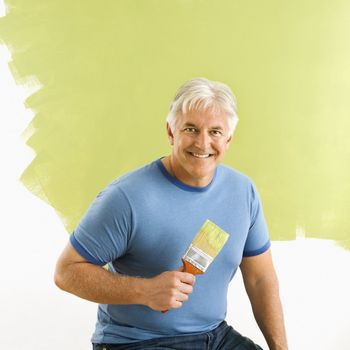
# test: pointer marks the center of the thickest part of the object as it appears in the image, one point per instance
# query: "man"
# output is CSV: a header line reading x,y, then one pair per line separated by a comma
x,y
142,223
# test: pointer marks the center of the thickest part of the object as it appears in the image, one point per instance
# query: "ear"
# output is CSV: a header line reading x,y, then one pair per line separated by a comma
x,y
170,134
228,141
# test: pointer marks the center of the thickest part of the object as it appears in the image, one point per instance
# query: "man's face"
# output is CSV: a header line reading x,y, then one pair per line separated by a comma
x,y
200,140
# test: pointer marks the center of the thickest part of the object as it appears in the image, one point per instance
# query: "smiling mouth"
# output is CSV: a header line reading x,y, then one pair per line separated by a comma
x,y
201,156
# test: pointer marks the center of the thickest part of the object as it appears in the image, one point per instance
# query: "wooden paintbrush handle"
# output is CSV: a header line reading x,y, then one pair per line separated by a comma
x,y
188,267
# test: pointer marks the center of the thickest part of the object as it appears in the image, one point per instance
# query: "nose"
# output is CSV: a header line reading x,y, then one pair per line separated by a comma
x,y
203,141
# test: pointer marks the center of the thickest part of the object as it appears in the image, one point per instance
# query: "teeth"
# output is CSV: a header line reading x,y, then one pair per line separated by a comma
x,y
200,155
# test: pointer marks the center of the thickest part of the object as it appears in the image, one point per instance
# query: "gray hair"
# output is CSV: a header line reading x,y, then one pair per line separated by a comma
x,y
201,94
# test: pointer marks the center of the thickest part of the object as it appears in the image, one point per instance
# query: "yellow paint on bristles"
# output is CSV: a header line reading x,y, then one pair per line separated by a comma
x,y
210,239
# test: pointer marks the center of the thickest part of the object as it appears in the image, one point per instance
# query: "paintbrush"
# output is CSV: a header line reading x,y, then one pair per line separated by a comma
x,y
205,246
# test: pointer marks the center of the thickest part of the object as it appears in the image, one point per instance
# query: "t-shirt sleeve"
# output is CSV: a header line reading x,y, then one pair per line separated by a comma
x,y
258,240
103,233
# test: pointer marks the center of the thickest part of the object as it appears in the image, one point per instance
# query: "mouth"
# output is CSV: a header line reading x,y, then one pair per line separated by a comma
x,y
201,155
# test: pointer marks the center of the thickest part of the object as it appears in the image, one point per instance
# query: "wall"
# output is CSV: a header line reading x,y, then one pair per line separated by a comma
x,y
290,78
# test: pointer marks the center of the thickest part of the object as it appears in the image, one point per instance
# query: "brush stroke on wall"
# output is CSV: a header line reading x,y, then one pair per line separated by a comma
x,y
109,72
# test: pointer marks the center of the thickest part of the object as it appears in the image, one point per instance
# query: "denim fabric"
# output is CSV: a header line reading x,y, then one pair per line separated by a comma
x,y
223,337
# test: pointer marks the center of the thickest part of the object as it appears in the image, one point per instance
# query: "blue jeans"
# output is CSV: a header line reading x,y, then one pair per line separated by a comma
x,y
223,337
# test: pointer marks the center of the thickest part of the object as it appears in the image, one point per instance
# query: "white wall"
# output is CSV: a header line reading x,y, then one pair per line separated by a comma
x,y
34,314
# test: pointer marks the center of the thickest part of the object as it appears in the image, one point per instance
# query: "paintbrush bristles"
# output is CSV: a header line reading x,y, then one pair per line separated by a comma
x,y
210,239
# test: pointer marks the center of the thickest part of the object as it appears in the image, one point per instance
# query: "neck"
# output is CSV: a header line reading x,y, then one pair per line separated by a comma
x,y
169,166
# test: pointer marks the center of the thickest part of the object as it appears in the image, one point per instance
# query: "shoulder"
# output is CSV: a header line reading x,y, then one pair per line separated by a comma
x,y
137,174
133,181
233,181
229,175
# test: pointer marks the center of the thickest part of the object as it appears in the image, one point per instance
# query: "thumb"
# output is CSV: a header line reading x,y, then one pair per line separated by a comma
x,y
181,269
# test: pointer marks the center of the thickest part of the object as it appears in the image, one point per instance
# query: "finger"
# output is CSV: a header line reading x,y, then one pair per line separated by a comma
x,y
177,304
186,288
181,297
181,269
187,278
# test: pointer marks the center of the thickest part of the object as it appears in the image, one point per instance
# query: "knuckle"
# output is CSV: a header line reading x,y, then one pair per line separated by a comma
x,y
177,275
173,293
174,284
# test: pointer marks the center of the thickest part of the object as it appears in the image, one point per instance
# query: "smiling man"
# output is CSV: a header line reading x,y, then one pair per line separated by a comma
x,y
142,223
200,139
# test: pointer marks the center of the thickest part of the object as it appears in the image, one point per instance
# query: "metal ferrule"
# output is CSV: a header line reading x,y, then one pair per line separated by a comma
x,y
198,258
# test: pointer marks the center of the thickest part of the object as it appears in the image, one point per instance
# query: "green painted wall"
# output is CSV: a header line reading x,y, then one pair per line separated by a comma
x,y
109,72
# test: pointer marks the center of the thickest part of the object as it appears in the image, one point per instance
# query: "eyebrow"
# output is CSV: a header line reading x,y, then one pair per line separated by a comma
x,y
195,126
189,124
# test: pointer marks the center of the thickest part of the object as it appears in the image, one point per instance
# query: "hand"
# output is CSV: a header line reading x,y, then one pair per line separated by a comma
x,y
169,289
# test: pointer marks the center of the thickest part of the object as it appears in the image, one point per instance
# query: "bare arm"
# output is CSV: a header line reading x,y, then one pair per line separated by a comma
x,y
76,275
261,284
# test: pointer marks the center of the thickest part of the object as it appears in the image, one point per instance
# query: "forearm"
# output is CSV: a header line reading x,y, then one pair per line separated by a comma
x,y
74,274
94,283
267,309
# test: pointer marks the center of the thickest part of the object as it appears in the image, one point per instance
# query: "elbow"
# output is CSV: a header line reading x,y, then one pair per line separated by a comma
x,y
59,278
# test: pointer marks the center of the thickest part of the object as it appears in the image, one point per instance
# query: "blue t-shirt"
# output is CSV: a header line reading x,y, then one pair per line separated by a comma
x,y
142,223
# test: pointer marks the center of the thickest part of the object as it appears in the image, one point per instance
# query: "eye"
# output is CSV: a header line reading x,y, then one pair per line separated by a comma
x,y
190,130
216,132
